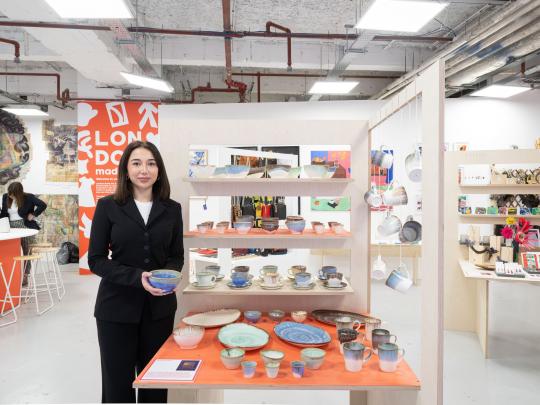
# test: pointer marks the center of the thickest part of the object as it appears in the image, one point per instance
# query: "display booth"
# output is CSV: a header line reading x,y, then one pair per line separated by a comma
x,y
257,139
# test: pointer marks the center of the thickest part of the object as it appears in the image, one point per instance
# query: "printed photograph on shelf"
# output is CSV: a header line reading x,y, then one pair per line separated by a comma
x,y
330,204
460,146
61,141
197,158
341,161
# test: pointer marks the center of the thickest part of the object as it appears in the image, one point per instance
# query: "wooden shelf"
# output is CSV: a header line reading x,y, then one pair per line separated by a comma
x,y
258,233
495,219
471,271
221,288
499,188
257,180
500,185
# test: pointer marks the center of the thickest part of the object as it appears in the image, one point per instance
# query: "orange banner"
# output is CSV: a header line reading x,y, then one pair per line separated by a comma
x,y
104,131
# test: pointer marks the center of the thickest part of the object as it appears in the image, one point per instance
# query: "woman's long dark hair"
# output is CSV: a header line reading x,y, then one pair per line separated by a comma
x,y
16,190
124,189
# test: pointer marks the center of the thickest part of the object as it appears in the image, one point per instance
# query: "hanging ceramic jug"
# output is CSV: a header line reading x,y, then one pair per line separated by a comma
x,y
382,159
395,195
411,231
372,197
413,165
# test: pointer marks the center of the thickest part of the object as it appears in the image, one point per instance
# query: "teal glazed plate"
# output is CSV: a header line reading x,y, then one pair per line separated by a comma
x,y
244,336
302,335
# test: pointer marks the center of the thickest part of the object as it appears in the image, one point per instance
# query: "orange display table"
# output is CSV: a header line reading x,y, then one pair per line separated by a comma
x,y
10,246
332,374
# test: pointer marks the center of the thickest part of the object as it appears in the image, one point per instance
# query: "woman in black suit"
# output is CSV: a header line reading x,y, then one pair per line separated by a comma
x,y
22,209
142,227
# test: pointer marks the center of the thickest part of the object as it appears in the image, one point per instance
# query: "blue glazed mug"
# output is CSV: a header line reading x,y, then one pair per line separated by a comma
x,y
390,355
325,270
239,279
302,279
298,368
355,355
248,368
380,336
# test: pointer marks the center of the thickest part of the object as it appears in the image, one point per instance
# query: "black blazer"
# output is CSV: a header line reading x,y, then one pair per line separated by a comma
x,y
135,248
32,205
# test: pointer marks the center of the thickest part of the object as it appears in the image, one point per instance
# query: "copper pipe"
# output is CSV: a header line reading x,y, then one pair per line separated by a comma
x,y
270,24
17,48
226,4
56,75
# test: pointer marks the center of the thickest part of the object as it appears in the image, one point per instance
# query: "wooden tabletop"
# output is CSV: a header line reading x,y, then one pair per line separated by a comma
x,y
332,374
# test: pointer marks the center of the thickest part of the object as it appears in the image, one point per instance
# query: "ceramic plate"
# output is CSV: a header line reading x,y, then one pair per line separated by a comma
x,y
213,319
271,287
196,285
220,277
308,287
244,336
231,285
340,287
328,316
299,334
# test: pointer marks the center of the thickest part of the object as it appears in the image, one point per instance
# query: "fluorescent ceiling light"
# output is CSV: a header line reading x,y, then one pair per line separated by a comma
x,y
399,15
499,91
91,8
143,81
332,87
26,112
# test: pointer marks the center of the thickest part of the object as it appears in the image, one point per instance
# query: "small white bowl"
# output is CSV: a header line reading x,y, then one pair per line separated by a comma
x,y
188,337
299,316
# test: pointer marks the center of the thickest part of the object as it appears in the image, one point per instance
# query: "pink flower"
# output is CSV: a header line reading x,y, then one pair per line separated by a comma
x,y
507,232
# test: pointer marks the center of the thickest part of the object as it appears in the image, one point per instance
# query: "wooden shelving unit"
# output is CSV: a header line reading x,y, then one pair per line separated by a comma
x,y
261,234
256,180
496,219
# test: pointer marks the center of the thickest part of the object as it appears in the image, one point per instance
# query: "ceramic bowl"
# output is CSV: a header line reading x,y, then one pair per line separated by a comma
x,y
202,171
293,218
269,356
237,170
316,171
294,172
231,358
318,228
209,223
245,218
278,171
270,226
252,316
221,227
299,316
220,172
296,226
338,228
276,315
188,337
313,357
165,279
202,228
331,171
256,172
243,227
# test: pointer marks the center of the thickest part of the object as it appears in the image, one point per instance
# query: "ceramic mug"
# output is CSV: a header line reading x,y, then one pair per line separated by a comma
x,y
213,268
239,279
346,322
380,336
389,225
395,195
371,324
298,268
399,279
413,165
372,197
268,270
378,270
334,279
349,335
302,279
271,279
381,158
390,355
411,231
355,354
298,368
205,278
325,270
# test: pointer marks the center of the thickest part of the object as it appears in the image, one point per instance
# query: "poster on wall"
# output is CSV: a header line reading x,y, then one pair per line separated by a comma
x,y
14,149
381,179
341,160
61,142
104,131
59,221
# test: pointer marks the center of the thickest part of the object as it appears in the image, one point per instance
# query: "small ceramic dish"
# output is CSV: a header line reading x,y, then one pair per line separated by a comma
x,y
188,337
231,358
196,285
203,228
252,316
310,286
276,315
269,356
299,316
316,171
243,227
296,227
313,357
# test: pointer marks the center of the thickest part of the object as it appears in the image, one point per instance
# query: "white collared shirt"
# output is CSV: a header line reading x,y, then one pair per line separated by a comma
x,y
144,209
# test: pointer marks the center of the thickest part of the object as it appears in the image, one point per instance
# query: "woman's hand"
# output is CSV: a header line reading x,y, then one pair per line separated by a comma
x,y
157,292
31,217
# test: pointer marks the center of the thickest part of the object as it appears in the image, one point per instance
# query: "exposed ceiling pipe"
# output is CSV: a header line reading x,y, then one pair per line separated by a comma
x,y
17,48
476,50
38,74
517,51
305,75
491,24
270,24
242,87
410,38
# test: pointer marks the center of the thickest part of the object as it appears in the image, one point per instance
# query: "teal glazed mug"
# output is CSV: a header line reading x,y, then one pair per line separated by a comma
x,y
390,355
380,336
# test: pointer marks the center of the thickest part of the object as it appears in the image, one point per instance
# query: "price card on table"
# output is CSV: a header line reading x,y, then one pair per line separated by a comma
x,y
172,370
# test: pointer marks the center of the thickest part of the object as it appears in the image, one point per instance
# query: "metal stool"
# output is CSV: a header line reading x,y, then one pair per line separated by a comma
x,y
33,287
48,257
38,245
7,299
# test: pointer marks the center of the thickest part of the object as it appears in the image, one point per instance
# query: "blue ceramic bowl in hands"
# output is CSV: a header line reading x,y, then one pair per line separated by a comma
x,y
164,279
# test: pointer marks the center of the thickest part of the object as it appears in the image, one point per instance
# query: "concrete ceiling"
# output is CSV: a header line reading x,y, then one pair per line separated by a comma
x,y
95,56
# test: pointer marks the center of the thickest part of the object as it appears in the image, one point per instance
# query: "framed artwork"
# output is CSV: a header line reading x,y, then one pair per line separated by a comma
x,y
197,158
341,159
330,204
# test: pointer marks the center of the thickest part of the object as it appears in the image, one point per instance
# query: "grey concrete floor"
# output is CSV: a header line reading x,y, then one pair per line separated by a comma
x,y
54,358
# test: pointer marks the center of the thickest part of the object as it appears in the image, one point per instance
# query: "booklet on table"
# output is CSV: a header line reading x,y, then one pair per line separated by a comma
x,y
172,370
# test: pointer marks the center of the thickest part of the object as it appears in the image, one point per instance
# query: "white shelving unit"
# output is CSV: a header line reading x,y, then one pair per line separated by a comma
x,y
471,311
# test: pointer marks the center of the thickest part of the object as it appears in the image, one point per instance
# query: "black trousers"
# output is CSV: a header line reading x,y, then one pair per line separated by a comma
x,y
125,349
